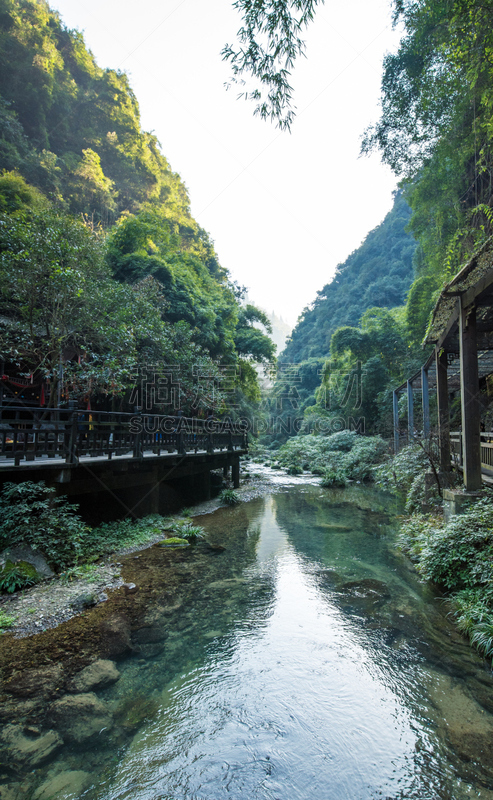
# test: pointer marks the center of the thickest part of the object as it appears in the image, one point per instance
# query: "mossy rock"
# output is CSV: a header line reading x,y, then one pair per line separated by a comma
x,y
174,541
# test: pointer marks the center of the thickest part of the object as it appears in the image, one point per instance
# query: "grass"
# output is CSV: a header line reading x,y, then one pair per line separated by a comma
x,y
6,621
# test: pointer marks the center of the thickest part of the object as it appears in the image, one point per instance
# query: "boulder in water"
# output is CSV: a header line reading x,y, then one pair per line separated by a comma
x,y
66,784
95,676
19,750
80,716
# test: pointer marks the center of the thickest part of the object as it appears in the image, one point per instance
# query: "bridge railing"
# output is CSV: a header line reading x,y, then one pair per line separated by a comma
x,y
456,448
31,433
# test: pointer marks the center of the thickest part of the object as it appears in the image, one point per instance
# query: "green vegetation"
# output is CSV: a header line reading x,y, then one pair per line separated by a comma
x,y
229,497
174,541
6,621
31,514
352,343
187,531
377,274
404,475
17,576
338,458
269,41
458,556
102,265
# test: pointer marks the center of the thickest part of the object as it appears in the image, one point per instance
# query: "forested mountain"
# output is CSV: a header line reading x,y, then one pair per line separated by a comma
x,y
102,266
73,129
379,273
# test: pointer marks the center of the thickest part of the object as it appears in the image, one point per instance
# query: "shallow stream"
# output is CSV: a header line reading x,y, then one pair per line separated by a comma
x,y
295,656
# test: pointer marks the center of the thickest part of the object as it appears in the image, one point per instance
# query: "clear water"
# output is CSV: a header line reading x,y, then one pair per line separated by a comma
x,y
304,661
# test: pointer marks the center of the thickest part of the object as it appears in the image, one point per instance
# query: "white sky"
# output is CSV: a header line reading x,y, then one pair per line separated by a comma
x,y
283,209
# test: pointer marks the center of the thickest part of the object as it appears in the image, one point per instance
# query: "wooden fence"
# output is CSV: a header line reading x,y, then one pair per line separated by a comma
x,y
33,433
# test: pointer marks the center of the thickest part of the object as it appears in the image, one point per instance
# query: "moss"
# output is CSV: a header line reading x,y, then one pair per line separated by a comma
x,y
175,541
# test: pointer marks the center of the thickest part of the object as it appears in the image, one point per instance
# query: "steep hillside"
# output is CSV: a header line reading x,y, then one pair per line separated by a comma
x,y
379,273
73,129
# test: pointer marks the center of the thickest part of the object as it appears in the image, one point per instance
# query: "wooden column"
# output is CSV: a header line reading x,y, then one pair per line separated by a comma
x,y
425,397
396,421
235,473
469,395
443,411
410,413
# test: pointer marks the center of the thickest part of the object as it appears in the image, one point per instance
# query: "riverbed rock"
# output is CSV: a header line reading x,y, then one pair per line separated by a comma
x,y
43,682
97,675
227,583
366,595
368,587
78,717
115,635
33,557
66,784
149,634
27,751
13,709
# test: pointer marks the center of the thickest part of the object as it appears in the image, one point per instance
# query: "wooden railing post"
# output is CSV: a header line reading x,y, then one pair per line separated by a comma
x,y
469,395
72,457
425,399
395,413
410,413
137,451
443,411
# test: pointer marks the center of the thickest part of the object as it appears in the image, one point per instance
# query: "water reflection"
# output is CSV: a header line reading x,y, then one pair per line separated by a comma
x,y
308,699
302,660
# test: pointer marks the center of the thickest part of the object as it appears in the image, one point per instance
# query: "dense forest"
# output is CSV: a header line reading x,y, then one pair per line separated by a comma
x,y
102,267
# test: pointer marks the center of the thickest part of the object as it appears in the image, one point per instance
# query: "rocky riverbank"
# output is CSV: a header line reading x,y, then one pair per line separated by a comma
x,y
47,604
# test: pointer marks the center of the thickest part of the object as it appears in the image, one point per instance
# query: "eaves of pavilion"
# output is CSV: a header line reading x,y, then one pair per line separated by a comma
x,y
461,334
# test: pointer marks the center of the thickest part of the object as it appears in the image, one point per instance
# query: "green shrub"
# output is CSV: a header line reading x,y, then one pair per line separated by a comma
x,y
346,454
294,469
31,514
458,556
398,473
111,536
230,497
333,479
14,577
185,530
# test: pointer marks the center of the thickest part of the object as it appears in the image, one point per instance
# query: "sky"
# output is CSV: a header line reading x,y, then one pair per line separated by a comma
x,y
283,209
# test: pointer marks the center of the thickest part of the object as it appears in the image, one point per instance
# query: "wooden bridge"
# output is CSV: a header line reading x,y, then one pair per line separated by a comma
x,y
142,462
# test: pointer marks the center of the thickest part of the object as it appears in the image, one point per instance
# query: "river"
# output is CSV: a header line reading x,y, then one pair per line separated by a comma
x,y
295,656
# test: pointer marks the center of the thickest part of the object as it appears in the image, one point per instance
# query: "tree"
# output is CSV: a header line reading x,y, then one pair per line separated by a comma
x,y
435,128
269,42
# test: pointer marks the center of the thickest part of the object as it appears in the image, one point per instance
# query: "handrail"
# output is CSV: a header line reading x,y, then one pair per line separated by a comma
x,y
456,448
71,434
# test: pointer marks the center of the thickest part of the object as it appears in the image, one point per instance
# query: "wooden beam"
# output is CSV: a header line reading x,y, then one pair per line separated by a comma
x,y
470,405
452,320
425,399
395,405
443,410
410,413
484,283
